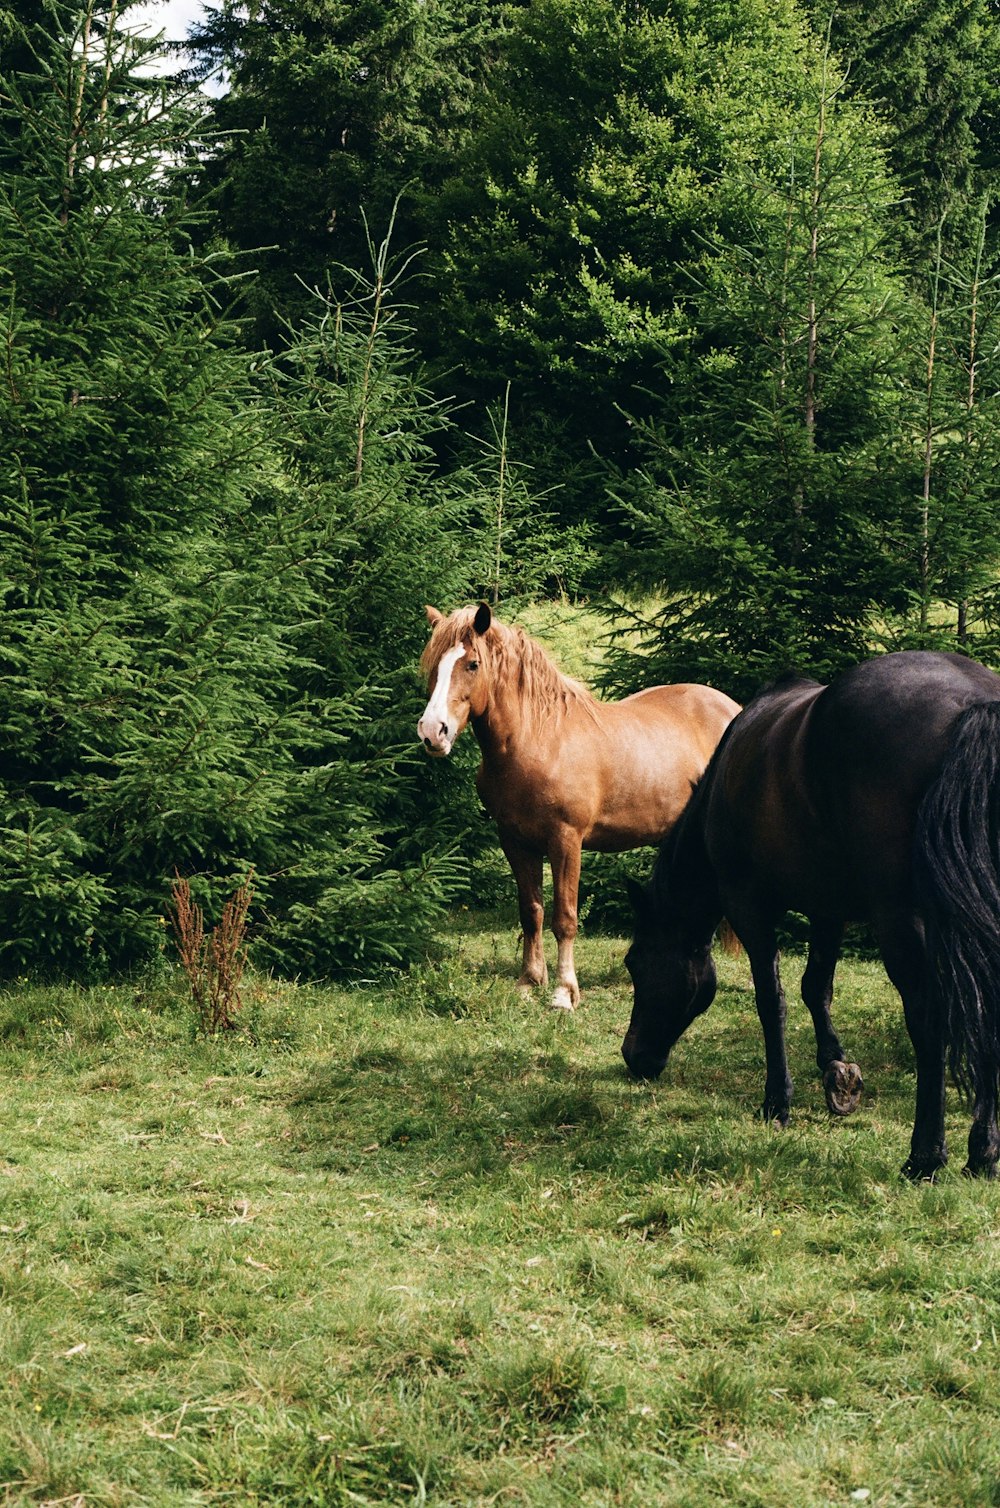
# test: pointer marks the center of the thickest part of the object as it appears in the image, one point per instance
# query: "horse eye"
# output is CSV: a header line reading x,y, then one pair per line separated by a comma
x,y
472,665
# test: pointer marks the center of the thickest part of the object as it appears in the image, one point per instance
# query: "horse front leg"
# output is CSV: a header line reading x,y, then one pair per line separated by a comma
x,y
526,865
564,859
842,1081
761,944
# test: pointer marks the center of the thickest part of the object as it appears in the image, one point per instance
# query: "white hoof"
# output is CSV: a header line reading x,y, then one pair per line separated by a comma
x,y
562,1000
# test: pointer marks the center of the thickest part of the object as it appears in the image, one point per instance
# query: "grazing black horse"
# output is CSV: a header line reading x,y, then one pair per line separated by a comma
x,y
876,798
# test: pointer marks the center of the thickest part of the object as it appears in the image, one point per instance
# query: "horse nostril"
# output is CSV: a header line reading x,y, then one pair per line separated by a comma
x,y
427,743
444,730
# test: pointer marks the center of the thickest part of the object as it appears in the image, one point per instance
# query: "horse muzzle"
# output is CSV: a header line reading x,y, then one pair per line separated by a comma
x,y
436,740
641,1063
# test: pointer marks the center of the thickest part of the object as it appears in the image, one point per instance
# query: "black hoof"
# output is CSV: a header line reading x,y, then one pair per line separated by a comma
x,y
980,1170
921,1172
775,1115
842,1085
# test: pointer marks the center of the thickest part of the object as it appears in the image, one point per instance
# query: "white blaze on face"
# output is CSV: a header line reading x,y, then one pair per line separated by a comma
x,y
436,729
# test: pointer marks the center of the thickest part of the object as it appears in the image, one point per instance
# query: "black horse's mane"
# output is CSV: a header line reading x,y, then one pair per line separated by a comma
x,y
783,682
684,844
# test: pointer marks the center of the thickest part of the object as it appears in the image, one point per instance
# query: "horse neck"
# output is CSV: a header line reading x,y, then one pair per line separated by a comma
x,y
501,721
683,877
524,691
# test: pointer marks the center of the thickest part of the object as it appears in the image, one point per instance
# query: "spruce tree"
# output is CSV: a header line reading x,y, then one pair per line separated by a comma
x,y
948,451
930,66
764,520
184,683
332,111
567,243
374,533
123,445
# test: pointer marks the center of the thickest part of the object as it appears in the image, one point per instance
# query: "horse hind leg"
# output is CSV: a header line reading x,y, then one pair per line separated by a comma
x,y
984,1139
842,1081
928,1149
901,941
526,867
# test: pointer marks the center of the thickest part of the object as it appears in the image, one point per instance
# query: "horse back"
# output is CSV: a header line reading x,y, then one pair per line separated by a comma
x,y
822,785
691,716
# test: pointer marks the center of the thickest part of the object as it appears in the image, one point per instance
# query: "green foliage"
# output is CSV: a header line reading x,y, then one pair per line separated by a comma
x,y
567,163
948,452
604,900
211,569
932,70
566,240
562,161
125,466
525,551
764,520
333,109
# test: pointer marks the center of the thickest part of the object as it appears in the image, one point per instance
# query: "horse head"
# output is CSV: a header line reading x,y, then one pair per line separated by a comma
x,y
673,979
454,661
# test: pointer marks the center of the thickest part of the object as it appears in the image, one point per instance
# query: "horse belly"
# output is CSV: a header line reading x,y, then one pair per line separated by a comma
x,y
635,824
802,874
612,807
638,800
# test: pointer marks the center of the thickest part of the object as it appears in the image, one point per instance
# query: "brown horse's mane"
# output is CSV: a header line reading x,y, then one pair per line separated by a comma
x,y
511,657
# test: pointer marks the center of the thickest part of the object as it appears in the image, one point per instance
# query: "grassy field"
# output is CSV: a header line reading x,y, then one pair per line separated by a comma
x,y
424,1243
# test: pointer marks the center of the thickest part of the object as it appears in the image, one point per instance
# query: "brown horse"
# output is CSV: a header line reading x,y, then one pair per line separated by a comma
x,y
561,771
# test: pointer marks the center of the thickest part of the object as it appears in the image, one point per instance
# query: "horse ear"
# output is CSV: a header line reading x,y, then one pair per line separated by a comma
x,y
483,618
433,616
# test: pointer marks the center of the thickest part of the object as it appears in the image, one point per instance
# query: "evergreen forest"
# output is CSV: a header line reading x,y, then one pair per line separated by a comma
x,y
688,310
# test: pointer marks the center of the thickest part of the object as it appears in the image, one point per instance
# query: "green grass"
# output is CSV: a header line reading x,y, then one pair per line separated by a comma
x,y
424,1242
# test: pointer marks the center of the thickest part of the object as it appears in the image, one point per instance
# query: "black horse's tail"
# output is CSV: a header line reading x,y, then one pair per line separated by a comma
x,y
957,862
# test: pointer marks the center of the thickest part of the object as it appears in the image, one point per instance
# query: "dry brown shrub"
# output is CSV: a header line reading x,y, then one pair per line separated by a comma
x,y
214,964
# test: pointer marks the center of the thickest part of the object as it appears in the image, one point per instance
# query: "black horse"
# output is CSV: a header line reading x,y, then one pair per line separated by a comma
x,y
876,798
